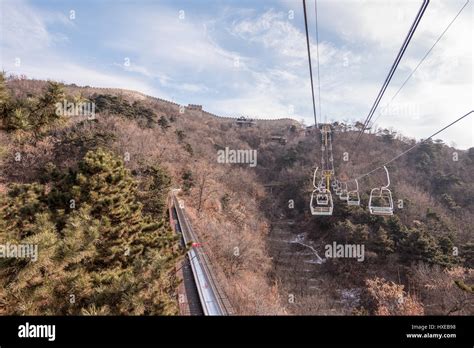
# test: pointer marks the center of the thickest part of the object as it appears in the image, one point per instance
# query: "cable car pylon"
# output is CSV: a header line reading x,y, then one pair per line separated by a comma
x,y
321,199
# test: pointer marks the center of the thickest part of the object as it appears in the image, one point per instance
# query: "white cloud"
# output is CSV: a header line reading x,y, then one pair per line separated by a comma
x,y
22,29
440,90
25,36
274,31
173,43
194,58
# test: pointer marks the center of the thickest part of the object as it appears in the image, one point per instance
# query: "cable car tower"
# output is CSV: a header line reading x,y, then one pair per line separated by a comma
x,y
321,199
327,161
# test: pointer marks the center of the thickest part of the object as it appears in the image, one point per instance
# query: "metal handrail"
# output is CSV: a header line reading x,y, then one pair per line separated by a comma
x,y
211,297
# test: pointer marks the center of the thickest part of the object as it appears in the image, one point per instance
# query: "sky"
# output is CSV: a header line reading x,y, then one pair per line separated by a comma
x,y
249,57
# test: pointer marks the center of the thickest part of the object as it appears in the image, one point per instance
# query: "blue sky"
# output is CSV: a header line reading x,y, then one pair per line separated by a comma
x,y
193,58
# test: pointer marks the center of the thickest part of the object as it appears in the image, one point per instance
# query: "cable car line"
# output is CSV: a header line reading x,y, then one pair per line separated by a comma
x,y
309,61
321,202
317,60
380,199
421,61
394,67
411,148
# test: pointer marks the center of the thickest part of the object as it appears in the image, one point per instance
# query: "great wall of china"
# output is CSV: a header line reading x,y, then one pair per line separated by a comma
x,y
170,103
191,107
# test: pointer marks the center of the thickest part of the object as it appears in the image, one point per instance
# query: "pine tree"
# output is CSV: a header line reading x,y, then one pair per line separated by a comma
x,y
73,254
20,207
5,102
104,183
27,283
4,94
396,230
19,118
45,114
382,244
154,188
188,180
101,256
467,253
420,246
129,242
21,114
163,122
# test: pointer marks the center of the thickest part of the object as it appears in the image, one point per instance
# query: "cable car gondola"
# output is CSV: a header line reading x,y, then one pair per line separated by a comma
x,y
353,197
344,193
321,199
380,201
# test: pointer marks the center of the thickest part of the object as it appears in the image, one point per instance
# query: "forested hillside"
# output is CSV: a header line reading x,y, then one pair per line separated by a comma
x,y
426,246
105,246
91,192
